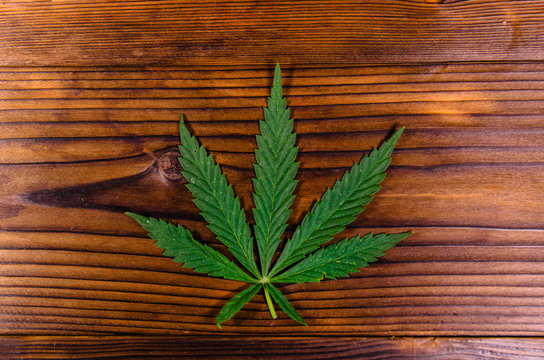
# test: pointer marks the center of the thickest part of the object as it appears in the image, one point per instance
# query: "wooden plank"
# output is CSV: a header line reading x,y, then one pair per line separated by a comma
x,y
179,32
78,146
79,347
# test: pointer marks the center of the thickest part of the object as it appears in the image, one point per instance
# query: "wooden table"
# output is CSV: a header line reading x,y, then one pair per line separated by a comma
x,y
90,96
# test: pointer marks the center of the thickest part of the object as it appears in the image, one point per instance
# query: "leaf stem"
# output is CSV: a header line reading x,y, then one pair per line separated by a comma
x,y
269,302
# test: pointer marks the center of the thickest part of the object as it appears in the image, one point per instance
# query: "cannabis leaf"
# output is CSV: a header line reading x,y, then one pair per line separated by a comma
x,y
303,259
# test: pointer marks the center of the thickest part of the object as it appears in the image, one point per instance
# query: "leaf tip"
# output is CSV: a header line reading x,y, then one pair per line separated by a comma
x,y
139,218
184,133
396,135
277,92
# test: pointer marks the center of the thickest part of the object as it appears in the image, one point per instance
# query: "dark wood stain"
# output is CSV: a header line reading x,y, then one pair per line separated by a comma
x,y
306,348
90,98
465,181
307,32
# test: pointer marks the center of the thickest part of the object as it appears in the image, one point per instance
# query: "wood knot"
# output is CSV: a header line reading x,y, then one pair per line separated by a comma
x,y
169,166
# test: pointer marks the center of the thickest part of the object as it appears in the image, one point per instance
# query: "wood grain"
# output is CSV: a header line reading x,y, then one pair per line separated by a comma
x,y
174,32
78,146
143,347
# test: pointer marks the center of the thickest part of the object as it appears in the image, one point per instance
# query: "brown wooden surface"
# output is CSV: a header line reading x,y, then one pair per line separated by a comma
x,y
90,96
465,178
174,32
274,348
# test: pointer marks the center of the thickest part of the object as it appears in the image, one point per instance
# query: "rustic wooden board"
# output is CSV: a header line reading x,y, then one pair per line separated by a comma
x,y
78,146
90,94
174,32
253,348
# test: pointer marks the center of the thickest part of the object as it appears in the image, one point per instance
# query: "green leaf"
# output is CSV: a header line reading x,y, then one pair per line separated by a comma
x,y
215,197
275,169
340,259
302,260
339,206
284,303
178,243
236,303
